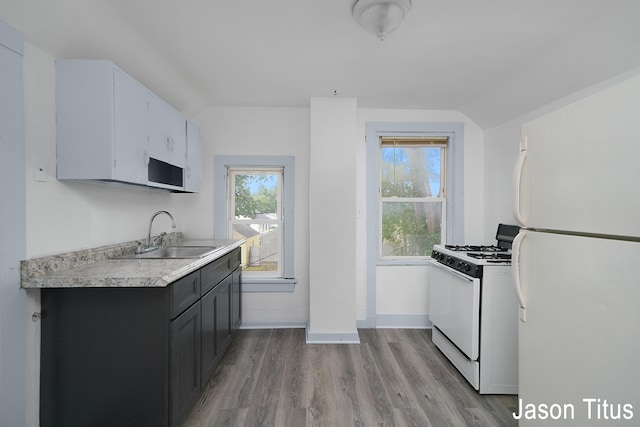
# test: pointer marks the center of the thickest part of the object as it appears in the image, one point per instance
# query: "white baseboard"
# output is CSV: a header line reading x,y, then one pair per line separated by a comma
x,y
403,321
381,321
368,323
273,325
332,337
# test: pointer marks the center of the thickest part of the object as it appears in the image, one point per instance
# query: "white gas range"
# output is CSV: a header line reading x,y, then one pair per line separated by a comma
x,y
473,308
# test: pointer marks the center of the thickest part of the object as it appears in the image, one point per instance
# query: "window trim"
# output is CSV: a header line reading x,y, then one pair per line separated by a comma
x,y
287,282
386,142
454,222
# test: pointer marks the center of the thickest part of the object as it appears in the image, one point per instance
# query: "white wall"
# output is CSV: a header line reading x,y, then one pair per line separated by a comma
x,y
13,301
402,296
501,153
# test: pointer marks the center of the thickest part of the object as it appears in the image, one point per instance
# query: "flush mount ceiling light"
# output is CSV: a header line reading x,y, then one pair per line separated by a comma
x,y
380,17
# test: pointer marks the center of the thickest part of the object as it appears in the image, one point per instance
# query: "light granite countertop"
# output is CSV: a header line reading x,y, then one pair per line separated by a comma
x,y
97,267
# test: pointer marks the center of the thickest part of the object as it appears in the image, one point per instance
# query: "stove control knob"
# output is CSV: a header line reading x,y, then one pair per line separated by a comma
x,y
449,260
463,266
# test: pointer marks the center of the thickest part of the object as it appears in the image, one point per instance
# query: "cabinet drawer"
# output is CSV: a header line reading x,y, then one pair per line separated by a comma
x,y
235,259
214,272
184,293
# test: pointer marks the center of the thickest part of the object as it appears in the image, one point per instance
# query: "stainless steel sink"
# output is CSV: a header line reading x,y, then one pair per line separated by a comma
x,y
174,252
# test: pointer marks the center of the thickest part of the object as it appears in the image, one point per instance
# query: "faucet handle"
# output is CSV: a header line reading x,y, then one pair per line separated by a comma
x,y
141,247
158,241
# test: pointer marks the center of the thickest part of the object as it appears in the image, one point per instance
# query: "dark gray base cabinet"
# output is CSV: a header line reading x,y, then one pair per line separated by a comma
x,y
136,356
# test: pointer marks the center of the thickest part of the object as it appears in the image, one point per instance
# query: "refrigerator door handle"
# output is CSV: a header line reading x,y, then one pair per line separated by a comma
x,y
517,178
515,266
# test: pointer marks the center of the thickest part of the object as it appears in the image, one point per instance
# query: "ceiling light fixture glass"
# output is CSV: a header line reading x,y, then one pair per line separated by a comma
x,y
380,17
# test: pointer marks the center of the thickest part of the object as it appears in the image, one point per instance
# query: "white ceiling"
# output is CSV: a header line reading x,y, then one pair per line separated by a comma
x,y
493,60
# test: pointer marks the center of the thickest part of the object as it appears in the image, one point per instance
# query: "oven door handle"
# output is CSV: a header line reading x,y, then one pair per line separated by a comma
x,y
515,268
451,270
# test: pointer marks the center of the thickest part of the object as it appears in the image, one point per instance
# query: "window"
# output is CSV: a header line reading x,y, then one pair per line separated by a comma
x,y
412,195
414,217
255,215
254,201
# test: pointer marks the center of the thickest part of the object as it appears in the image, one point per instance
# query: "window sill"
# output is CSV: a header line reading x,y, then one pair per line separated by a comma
x,y
268,285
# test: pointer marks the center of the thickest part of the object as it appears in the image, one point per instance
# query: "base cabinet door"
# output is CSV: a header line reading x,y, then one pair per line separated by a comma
x,y
104,357
224,314
236,298
185,362
210,351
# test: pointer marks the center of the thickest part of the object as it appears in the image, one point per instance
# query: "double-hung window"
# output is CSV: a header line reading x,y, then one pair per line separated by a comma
x,y
412,196
255,215
254,201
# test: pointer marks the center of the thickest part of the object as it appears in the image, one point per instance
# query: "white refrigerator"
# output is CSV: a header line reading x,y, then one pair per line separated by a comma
x,y
576,262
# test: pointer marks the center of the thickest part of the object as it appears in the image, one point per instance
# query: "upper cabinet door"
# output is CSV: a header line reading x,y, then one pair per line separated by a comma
x,y
84,119
131,127
167,135
192,171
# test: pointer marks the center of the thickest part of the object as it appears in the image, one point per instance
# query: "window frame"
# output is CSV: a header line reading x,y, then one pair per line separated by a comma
x,y
384,142
232,172
454,219
287,282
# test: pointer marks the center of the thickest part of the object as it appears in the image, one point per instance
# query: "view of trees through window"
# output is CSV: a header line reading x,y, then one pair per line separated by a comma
x,y
412,199
255,194
257,219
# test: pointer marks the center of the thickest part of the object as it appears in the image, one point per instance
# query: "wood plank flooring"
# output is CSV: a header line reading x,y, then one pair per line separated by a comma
x,y
394,377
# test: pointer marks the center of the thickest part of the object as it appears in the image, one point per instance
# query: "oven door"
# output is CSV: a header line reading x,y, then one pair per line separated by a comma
x,y
454,307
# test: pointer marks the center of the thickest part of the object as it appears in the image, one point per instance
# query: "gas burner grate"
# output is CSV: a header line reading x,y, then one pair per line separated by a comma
x,y
490,256
475,248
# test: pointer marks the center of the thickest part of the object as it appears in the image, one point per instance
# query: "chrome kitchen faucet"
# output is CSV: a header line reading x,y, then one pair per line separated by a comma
x,y
148,247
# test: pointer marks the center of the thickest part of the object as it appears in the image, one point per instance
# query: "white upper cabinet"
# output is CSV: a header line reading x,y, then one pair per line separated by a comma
x,y
130,142
111,128
86,122
192,172
167,135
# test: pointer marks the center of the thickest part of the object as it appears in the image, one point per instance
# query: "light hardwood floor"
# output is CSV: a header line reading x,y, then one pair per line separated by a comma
x,y
394,377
